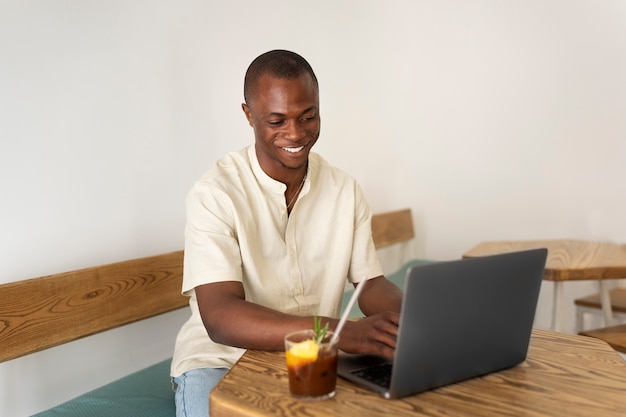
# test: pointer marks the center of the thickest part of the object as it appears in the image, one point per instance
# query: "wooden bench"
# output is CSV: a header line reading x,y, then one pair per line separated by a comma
x,y
41,313
390,228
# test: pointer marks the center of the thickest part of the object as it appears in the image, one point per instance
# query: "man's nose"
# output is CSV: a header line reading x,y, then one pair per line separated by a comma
x,y
294,131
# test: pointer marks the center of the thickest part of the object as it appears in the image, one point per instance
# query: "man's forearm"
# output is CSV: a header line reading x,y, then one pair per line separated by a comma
x,y
380,295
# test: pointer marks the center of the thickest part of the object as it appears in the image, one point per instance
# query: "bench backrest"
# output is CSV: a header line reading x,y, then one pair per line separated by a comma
x,y
39,313
392,227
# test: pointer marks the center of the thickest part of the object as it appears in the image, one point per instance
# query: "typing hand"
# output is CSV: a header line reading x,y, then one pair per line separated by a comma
x,y
372,335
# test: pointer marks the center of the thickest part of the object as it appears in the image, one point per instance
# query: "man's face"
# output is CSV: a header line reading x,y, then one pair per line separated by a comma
x,y
285,117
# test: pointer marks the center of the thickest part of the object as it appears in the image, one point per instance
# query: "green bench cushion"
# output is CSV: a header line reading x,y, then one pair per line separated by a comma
x,y
146,393
398,277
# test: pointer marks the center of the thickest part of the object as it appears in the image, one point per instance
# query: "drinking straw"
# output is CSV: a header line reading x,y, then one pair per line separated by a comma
x,y
346,312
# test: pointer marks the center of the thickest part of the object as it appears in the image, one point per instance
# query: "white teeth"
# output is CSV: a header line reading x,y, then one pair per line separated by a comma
x,y
294,150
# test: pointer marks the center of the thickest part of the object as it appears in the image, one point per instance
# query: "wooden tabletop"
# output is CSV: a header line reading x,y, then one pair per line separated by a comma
x,y
567,259
564,375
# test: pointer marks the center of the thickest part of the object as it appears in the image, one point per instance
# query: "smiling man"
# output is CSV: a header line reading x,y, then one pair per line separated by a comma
x,y
273,232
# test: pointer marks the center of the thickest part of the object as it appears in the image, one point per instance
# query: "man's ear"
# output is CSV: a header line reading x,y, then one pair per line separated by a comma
x,y
246,111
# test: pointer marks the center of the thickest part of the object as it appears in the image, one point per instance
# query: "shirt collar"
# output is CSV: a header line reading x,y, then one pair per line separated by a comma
x,y
270,183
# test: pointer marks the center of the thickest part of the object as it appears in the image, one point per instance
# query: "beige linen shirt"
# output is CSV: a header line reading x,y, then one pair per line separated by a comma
x,y
238,230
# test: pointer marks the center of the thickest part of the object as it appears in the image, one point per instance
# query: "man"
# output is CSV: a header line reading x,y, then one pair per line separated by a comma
x,y
272,234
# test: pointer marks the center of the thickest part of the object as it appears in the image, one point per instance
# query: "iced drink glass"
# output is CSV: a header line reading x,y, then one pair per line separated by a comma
x,y
312,366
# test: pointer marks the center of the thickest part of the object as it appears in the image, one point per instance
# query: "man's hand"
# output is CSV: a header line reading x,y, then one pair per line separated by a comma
x,y
372,335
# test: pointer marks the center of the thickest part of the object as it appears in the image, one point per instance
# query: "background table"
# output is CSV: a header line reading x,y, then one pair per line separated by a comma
x,y
564,375
568,260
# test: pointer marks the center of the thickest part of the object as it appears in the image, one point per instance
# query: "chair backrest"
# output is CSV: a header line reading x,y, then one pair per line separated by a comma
x,y
392,227
39,313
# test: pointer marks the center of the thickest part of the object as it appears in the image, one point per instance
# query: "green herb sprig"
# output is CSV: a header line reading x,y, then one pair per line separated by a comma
x,y
320,332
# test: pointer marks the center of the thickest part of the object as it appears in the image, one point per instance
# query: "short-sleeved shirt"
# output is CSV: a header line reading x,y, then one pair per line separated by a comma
x,y
238,229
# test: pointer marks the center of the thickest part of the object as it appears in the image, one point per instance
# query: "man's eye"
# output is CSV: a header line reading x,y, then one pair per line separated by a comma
x,y
274,122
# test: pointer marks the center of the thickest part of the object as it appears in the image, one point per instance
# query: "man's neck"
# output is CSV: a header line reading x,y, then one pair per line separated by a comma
x,y
291,177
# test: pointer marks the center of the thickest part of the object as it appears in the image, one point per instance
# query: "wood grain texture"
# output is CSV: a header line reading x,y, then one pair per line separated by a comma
x,y
617,296
40,313
615,336
392,227
568,260
564,375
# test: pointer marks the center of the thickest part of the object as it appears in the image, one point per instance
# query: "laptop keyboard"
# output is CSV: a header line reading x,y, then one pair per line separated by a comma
x,y
376,374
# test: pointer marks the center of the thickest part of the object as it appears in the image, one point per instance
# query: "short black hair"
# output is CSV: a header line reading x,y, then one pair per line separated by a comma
x,y
278,63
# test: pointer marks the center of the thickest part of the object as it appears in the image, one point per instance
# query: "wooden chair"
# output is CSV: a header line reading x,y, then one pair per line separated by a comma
x,y
612,304
615,336
609,303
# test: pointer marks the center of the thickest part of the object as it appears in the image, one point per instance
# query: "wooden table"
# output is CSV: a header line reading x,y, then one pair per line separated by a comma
x,y
564,375
568,260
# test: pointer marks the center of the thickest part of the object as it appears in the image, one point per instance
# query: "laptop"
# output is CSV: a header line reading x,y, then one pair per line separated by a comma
x,y
459,320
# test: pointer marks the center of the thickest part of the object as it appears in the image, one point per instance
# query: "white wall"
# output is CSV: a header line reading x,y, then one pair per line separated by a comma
x,y
490,119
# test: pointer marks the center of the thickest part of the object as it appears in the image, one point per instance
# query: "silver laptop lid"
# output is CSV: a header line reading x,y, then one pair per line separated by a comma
x,y
465,318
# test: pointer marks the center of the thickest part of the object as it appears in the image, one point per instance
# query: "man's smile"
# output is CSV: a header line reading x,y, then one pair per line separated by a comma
x,y
294,150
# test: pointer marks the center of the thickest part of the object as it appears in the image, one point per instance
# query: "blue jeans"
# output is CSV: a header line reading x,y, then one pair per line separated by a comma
x,y
192,391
